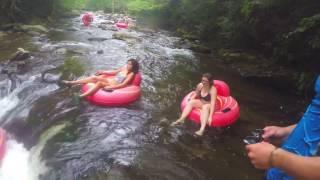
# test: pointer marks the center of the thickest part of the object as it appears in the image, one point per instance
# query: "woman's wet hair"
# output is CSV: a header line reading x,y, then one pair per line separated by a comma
x,y
135,65
209,77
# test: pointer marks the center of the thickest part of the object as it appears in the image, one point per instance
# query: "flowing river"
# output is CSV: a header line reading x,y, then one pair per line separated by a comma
x,y
53,138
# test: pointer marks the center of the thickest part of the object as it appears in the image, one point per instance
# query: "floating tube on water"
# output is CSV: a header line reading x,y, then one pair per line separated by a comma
x,y
227,110
122,25
3,140
87,19
117,97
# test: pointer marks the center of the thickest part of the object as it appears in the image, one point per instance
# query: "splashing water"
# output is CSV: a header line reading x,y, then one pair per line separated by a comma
x,y
15,163
21,164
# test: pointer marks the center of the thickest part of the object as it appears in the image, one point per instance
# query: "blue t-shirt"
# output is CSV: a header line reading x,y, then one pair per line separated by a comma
x,y
305,138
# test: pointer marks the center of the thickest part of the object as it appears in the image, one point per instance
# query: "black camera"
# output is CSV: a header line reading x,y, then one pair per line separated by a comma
x,y
255,137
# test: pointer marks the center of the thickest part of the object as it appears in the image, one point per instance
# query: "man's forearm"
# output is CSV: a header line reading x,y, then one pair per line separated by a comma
x,y
298,166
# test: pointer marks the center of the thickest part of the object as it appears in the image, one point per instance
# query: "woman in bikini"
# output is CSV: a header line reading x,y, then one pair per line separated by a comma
x,y
204,98
122,77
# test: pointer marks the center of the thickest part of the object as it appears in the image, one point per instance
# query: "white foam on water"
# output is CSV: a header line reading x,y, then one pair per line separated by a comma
x,y
15,164
8,103
21,164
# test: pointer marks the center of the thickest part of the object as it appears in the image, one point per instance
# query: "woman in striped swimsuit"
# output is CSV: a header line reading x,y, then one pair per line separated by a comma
x,y
122,77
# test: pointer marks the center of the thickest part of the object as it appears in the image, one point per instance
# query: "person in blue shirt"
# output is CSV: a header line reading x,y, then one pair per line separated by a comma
x,y
299,155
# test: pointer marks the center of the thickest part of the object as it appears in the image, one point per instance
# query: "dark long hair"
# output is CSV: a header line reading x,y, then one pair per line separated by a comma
x,y
135,65
209,77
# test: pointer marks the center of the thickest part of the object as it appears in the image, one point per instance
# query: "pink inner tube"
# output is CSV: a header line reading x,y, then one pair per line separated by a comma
x,y
118,97
122,25
3,140
222,88
227,109
87,19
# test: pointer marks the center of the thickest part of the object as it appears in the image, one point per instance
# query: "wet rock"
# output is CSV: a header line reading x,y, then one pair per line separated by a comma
x,y
10,26
143,29
72,29
16,64
51,75
10,69
61,51
20,55
125,36
107,27
77,51
260,69
2,34
97,39
34,33
200,48
35,28
5,85
184,44
108,22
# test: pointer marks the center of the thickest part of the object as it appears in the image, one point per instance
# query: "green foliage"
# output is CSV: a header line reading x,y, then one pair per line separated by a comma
x,y
71,68
287,31
136,6
72,4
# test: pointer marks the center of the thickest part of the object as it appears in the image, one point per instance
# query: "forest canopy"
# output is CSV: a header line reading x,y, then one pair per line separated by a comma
x,y
286,31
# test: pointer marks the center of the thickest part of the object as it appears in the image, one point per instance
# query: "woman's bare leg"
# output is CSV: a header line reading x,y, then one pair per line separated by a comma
x,y
95,88
195,103
92,79
205,111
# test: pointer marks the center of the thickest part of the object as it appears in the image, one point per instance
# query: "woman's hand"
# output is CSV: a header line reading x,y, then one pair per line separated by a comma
x,y
260,154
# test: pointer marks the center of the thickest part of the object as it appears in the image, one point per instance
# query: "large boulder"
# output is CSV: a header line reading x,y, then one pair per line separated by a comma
x,y
16,63
35,28
126,36
108,22
2,34
108,27
20,55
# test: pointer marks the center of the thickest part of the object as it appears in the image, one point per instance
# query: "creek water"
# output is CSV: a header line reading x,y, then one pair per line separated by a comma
x,y
51,137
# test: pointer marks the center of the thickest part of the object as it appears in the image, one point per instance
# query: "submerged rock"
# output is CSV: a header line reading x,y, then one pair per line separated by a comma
x,y
97,39
20,55
72,29
61,51
51,75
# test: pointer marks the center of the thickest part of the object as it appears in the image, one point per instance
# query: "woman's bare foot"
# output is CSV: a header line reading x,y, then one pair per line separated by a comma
x,y
179,121
199,133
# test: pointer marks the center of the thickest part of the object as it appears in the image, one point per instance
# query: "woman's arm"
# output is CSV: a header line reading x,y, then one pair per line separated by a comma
x,y
110,72
124,83
213,94
197,92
